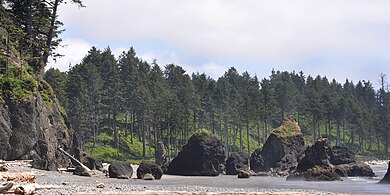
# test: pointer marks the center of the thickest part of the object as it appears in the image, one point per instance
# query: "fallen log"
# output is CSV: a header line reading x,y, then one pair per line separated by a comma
x,y
31,188
6,187
83,167
17,162
18,177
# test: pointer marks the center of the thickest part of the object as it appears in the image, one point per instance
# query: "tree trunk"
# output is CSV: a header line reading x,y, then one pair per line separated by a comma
x,y
169,143
241,143
227,136
143,138
50,36
248,136
116,135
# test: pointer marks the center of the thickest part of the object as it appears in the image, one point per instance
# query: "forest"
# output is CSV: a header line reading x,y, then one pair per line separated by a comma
x,y
121,107
129,100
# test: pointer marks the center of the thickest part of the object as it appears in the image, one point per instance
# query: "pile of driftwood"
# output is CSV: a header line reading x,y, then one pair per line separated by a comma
x,y
20,182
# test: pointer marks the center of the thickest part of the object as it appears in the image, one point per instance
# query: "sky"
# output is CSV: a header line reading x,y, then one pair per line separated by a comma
x,y
348,39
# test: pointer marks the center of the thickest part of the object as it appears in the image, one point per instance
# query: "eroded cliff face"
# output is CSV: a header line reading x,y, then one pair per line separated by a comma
x,y
33,129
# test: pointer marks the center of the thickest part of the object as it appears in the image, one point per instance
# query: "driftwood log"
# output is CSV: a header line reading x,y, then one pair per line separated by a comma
x,y
6,187
18,177
75,160
26,163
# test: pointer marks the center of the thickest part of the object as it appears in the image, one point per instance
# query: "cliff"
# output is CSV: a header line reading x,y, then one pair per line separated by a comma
x,y
33,127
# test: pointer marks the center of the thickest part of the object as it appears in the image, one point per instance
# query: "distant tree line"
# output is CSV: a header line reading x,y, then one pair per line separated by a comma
x,y
129,95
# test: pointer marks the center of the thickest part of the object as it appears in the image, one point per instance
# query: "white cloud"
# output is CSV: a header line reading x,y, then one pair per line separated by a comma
x,y
73,50
276,32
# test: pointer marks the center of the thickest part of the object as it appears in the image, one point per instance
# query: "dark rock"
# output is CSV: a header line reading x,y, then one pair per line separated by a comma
x,y
263,174
123,177
81,172
237,161
203,155
354,170
161,157
92,163
316,173
315,166
386,178
147,167
281,150
117,169
148,176
243,174
33,128
341,155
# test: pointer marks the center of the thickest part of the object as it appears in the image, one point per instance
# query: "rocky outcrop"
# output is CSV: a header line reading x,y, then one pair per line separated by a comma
x,y
386,178
161,157
120,170
237,161
92,163
203,155
341,155
354,170
346,165
315,166
33,128
243,174
281,150
151,168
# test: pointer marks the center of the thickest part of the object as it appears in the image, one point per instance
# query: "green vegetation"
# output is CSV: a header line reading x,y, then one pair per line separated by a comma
x,y
201,135
128,152
287,128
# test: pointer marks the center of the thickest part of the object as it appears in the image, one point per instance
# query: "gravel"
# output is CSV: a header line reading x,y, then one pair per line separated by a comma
x,y
224,183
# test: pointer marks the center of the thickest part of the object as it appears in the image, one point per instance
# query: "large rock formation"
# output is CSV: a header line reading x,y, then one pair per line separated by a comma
x,y
354,170
281,150
151,168
315,166
120,170
33,128
341,155
237,161
203,155
386,178
161,157
346,165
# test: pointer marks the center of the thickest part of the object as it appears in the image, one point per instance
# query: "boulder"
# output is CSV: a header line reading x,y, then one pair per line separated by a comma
x,y
34,128
147,167
237,161
315,165
120,169
341,155
81,172
161,157
386,178
203,155
354,170
243,174
92,163
281,150
148,176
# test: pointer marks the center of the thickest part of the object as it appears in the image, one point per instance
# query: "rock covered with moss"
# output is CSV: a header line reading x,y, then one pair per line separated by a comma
x,y
203,155
281,150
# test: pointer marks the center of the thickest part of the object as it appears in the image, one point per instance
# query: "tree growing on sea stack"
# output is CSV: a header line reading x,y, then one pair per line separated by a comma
x,y
281,150
203,155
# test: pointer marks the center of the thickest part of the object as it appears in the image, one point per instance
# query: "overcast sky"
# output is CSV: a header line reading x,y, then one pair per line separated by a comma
x,y
338,39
